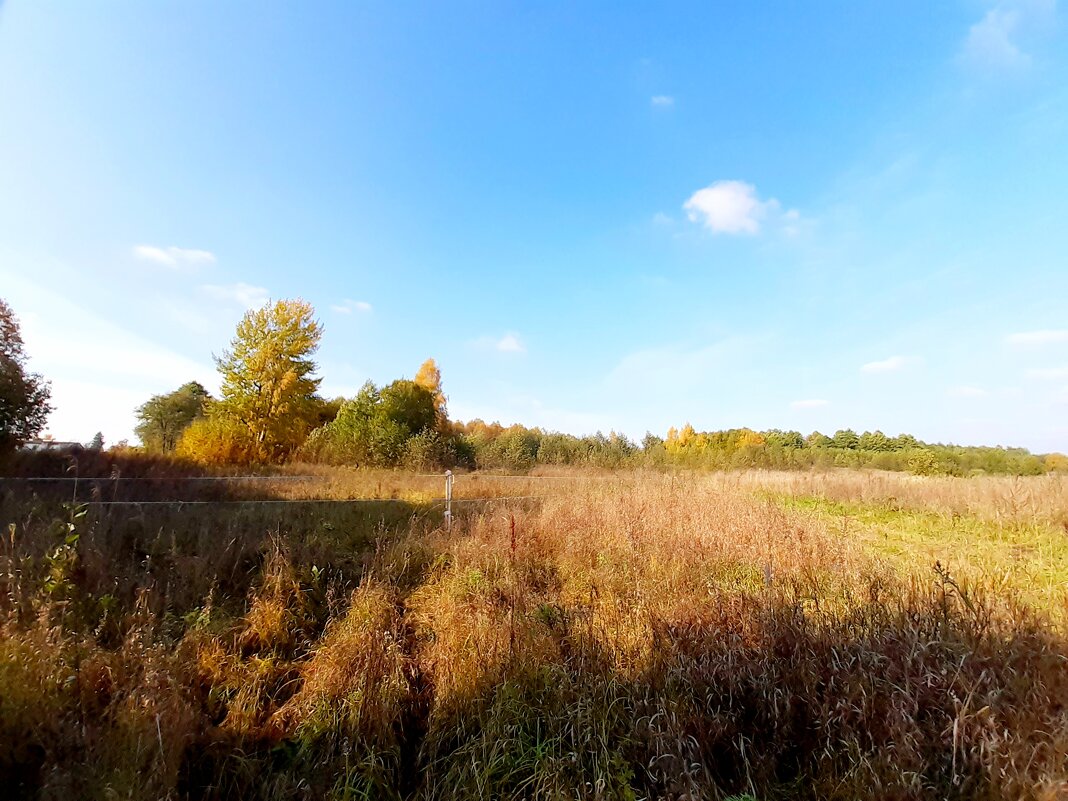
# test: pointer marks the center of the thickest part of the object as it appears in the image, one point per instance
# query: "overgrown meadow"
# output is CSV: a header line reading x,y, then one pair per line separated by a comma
x,y
626,635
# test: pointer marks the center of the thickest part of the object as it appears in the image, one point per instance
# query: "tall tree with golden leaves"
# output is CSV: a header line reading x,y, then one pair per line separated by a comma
x,y
268,385
429,378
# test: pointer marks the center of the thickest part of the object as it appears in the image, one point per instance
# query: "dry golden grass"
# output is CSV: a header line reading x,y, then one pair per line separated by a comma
x,y
629,635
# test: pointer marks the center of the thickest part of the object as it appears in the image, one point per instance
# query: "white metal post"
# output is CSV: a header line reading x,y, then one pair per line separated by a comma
x,y
449,500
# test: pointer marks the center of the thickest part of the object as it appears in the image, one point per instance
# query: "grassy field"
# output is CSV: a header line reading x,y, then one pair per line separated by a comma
x,y
627,635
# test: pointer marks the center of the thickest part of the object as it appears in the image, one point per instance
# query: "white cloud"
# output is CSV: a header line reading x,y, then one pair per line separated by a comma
x,y
350,306
1046,337
247,295
811,403
990,40
994,42
968,392
509,343
885,365
662,101
174,256
733,207
1048,373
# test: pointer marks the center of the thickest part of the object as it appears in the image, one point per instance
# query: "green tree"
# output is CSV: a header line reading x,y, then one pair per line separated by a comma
x,y
24,396
268,385
875,441
97,442
163,418
906,442
325,410
845,438
818,440
377,427
784,439
409,405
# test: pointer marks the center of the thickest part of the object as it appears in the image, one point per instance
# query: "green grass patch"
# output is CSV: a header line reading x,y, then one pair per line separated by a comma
x,y
1030,560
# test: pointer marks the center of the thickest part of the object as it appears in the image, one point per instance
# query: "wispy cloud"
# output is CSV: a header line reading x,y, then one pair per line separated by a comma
x,y
733,207
662,101
889,365
350,306
246,295
1048,336
1048,373
810,403
994,41
174,256
509,343
682,366
967,392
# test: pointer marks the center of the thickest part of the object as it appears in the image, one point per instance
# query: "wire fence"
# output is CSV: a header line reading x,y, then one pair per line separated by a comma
x,y
447,501
160,479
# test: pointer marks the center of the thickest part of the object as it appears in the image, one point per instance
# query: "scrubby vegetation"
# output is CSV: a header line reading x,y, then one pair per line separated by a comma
x,y
621,635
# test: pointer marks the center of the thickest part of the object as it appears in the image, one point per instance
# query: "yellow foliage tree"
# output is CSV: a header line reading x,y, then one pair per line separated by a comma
x,y
267,377
217,440
1056,463
429,378
750,439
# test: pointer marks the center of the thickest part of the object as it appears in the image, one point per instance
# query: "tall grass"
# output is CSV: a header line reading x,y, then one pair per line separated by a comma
x,y
645,636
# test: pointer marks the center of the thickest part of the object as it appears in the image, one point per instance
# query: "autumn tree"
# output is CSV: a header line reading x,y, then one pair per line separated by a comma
x,y
429,378
267,386
24,396
163,418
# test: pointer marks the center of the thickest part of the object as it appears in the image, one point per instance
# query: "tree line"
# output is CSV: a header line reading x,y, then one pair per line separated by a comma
x,y
270,411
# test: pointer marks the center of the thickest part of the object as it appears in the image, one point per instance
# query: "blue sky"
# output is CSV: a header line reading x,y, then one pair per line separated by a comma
x,y
594,216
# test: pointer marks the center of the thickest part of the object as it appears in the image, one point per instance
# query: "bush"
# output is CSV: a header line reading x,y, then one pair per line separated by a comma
x,y
429,451
925,463
217,440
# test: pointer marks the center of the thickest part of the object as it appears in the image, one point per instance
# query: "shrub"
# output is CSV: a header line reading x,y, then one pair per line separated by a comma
x,y
429,450
217,440
925,463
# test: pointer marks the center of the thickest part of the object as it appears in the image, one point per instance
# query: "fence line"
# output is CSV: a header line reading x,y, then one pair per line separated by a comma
x,y
505,498
157,478
250,502
433,501
496,476
465,476
448,476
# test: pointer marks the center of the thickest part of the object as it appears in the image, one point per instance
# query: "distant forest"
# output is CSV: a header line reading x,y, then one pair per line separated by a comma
x,y
270,411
